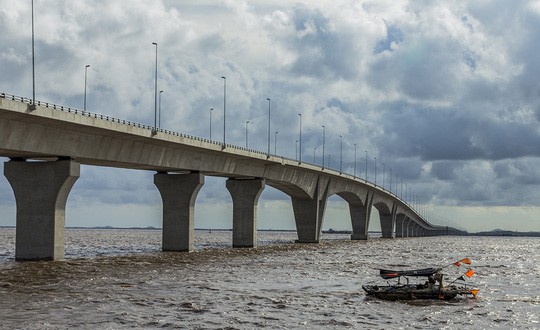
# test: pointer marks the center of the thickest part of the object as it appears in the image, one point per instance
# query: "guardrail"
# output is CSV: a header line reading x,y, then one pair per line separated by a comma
x,y
187,136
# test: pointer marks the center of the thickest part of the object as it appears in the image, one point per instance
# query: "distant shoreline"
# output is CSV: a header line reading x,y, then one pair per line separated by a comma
x,y
506,233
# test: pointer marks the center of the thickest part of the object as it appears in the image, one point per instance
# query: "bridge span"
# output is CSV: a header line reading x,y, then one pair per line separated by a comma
x,y
47,143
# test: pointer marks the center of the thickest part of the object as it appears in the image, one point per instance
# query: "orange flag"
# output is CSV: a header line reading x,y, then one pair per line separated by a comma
x,y
457,263
466,261
474,292
469,273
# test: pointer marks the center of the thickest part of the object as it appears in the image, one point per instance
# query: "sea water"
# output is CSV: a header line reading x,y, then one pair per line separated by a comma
x,y
115,279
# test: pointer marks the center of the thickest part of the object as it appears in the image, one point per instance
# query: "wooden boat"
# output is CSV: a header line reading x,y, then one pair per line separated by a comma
x,y
433,288
413,292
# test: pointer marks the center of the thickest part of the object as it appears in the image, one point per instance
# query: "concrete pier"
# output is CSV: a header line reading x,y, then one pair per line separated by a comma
x,y
360,215
359,218
410,228
387,225
400,221
245,195
178,193
41,191
308,215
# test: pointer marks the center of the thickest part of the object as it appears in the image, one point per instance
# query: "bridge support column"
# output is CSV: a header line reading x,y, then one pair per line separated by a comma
x,y
360,218
178,193
41,191
387,223
245,195
308,215
413,229
400,222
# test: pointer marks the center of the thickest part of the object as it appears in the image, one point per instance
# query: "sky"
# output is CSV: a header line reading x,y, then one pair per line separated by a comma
x,y
445,94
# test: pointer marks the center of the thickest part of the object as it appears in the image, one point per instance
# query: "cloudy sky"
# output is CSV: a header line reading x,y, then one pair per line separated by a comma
x,y
444,93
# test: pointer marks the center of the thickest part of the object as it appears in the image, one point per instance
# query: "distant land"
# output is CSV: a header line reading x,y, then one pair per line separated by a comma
x,y
495,232
500,232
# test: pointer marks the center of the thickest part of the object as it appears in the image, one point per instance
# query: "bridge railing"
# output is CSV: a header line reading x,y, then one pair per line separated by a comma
x,y
125,122
187,136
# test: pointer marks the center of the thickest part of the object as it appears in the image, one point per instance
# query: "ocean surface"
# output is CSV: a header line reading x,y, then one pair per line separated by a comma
x,y
117,279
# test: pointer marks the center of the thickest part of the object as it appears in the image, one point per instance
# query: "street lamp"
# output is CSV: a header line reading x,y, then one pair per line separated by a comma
x,y
247,122
33,62
366,167
329,161
340,154
323,134
224,106
268,154
85,83
155,91
300,139
383,174
159,117
211,109
354,171
275,142
296,150
375,171
390,170
397,183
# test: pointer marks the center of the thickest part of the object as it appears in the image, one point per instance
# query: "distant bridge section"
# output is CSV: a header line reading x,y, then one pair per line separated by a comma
x,y
47,143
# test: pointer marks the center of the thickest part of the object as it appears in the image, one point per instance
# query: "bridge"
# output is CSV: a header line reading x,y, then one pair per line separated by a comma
x,y
46,144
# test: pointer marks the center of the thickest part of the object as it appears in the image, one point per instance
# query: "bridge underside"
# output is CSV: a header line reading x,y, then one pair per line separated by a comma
x,y
41,190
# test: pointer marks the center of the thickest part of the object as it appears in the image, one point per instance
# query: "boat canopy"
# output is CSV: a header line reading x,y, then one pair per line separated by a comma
x,y
387,274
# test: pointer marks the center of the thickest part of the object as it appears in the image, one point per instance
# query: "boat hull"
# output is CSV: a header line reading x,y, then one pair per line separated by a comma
x,y
412,292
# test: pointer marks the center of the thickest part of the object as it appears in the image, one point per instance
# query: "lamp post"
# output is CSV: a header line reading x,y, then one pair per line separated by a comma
x,y
155,90
366,168
211,109
224,106
247,122
268,154
329,155
275,142
407,193
354,171
397,182
383,174
85,83
340,154
33,62
296,150
323,136
375,171
390,170
159,116
300,139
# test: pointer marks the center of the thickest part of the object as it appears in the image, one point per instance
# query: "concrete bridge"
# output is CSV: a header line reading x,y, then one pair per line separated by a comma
x,y
47,143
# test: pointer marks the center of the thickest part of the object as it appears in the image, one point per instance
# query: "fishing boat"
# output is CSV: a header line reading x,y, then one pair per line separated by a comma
x,y
432,288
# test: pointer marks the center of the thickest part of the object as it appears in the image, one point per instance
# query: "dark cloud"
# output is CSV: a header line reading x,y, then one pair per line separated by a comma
x,y
452,134
322,51
444,170
394,35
